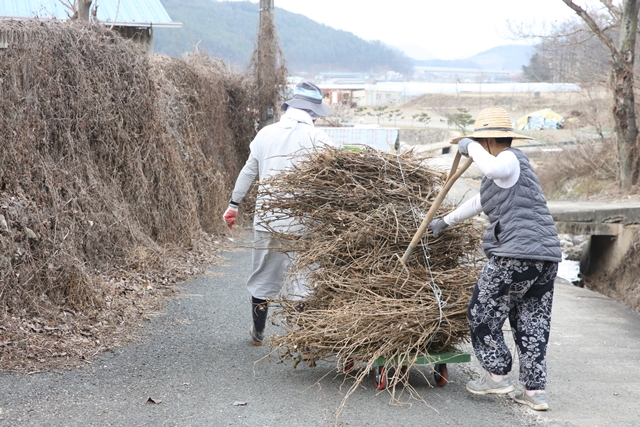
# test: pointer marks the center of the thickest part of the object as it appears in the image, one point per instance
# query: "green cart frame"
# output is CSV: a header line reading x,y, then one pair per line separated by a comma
x,y
439,360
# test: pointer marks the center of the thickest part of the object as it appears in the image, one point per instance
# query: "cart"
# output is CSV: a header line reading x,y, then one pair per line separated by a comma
x,y
439,360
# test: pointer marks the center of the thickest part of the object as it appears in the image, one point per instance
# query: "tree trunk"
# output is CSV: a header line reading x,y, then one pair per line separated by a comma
x,y
84,7
624,113
622,85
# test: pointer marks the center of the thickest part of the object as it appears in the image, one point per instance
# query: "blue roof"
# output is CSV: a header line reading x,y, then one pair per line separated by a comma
x,y
130,13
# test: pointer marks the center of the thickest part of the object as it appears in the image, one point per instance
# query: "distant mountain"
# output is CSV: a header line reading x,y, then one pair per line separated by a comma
x,y
416,52
449,63
508,58
227,30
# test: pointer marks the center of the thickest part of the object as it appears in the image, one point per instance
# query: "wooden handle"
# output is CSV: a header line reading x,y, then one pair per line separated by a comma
x,y
436,204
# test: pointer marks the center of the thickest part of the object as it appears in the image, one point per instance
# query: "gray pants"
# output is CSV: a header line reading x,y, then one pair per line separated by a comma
x,y
270,270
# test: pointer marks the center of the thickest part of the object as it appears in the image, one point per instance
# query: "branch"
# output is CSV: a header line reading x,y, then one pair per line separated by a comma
x,y
605,39
557,31
614,10
94,11
115,18
72,12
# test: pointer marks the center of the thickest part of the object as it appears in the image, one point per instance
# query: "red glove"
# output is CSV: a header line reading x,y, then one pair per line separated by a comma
x,y
230,216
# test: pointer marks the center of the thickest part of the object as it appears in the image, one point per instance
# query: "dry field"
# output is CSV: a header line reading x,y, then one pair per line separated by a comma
x,y
586,112
581,109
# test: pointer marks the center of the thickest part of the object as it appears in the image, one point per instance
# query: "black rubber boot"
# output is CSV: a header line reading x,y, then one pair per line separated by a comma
x,y
259,312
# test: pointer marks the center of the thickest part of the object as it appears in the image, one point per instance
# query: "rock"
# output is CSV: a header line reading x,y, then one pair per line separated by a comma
x,y
31,235
573,246
574,253
580,240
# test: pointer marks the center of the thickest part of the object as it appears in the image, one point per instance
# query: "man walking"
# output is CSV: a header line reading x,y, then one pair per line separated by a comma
x,y
275,148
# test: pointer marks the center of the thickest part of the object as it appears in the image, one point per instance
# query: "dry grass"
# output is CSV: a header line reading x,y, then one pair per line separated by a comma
x,y
270,87
581,171
114,169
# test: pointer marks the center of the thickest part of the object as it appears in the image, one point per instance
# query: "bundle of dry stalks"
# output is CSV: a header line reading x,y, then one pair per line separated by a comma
x,y
115,167
359,212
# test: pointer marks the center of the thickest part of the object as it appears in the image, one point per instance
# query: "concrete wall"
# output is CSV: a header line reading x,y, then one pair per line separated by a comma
x,y
604,254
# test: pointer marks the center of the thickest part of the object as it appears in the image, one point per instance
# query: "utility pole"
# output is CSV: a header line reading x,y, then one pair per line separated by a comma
x,y
267,48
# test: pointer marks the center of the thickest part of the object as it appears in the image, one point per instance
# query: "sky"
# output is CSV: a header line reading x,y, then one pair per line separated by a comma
x,y
446,29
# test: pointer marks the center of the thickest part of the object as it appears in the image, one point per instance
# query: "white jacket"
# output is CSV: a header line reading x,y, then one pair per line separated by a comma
x,y
274,149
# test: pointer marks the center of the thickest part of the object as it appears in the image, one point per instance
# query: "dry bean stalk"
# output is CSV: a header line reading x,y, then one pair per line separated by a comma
x,y
359,212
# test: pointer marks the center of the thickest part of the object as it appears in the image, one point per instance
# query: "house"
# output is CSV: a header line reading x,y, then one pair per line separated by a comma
x,y
134,19
341,92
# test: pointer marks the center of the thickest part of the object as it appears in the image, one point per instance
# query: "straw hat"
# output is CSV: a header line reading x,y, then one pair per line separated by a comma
x,y
307,96
492,122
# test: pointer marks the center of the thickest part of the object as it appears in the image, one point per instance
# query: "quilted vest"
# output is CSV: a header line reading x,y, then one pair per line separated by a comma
x,y
521,225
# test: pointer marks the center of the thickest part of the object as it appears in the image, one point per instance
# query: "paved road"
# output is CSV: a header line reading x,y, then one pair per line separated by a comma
x,y
196,359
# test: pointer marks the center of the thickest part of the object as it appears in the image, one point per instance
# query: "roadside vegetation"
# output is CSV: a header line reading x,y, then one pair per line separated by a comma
x,y
114,168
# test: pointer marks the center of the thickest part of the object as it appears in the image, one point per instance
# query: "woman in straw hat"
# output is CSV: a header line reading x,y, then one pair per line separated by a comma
x,y
523,251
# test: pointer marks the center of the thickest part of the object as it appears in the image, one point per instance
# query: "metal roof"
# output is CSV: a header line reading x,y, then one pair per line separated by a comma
x,y
383,139
127,13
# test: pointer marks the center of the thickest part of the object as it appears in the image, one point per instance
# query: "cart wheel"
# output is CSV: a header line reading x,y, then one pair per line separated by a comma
x,y
348,365
441,374
379,377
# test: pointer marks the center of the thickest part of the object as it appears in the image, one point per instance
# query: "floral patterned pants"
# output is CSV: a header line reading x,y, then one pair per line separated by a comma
x,y
521,290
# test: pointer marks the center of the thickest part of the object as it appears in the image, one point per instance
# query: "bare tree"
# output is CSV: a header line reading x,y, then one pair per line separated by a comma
x,y
570,52
340,114
80,9
622,79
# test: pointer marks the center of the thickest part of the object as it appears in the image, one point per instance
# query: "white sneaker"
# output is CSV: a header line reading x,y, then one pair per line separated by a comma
x,y
537,402
487,385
